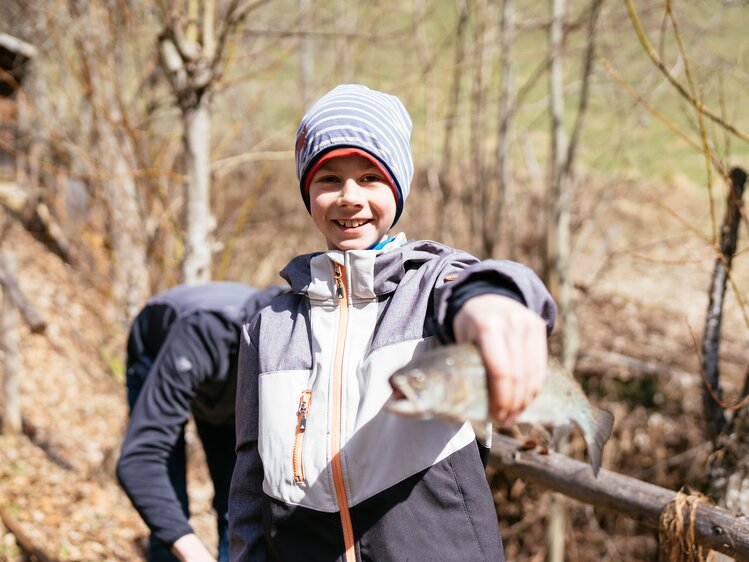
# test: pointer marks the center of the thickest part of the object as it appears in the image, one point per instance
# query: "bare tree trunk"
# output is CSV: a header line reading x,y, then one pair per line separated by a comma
x,y
558,256
570,337
476,199
555,208
306,56
425,54
196,267
446,181
506,113
713,411
347,22
130,284
557,243
12,362
192,69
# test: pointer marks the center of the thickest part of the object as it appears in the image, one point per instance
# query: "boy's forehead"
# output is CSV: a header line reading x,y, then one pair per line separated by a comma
x,y
349,160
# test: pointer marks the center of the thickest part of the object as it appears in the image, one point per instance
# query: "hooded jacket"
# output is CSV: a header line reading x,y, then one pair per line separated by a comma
x,y
343,479
184,343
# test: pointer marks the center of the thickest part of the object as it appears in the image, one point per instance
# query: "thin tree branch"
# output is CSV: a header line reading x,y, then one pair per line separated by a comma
x,y
700,120
679,88
590,51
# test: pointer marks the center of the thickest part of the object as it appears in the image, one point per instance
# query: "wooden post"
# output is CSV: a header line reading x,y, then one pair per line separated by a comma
x,y
715,527
9,340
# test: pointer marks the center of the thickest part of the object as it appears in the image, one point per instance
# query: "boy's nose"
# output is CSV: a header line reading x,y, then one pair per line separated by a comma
x,y
350,194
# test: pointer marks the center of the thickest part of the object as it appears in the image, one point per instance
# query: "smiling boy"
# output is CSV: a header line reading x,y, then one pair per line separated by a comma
x,y
352,200
342,479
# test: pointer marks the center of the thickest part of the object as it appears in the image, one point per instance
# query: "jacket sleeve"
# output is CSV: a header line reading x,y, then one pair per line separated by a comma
x,y
502,277
194,352
246,493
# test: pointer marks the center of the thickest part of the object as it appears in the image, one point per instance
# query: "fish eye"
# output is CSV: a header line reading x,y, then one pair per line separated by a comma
x,y
418,380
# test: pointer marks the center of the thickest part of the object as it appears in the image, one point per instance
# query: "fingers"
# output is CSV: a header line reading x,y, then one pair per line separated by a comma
x,y
512,341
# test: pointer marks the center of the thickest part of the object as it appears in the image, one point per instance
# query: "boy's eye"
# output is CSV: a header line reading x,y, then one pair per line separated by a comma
x,y
327,179
370,178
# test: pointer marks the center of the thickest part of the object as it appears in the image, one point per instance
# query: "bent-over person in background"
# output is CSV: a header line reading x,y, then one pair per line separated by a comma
x,y
182,359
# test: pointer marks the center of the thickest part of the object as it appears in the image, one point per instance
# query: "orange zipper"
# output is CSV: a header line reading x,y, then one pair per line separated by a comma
x,y
339,275
301,427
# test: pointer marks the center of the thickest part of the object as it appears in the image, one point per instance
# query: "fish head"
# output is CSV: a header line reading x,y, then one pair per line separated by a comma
x,y
441,383
415,393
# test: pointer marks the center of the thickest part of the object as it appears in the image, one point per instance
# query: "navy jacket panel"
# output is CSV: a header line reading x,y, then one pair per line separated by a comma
x,y
384,524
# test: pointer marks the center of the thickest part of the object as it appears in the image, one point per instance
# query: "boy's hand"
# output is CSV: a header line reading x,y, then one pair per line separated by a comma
x,y
512,341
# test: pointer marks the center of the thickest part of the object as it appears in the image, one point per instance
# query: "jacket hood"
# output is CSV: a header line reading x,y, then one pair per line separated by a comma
x,y
391,263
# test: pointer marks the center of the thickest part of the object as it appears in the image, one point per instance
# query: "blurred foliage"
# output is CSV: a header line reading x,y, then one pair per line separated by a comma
x,y
403,48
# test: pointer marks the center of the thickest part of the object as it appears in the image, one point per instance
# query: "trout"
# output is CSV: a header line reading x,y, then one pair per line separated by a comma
x,y
449,383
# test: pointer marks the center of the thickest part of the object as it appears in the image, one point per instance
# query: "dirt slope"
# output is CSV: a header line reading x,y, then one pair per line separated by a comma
x,y
58,486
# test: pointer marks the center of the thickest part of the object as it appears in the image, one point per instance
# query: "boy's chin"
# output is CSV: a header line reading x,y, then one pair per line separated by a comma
x,y
358,244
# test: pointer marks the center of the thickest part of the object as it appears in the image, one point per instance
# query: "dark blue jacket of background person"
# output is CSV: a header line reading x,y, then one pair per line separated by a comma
x,y
182,358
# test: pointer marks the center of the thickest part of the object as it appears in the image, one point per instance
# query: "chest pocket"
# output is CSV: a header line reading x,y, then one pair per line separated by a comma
x,y
292,439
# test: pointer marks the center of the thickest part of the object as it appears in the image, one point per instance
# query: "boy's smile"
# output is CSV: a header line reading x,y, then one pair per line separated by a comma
x,y
352,202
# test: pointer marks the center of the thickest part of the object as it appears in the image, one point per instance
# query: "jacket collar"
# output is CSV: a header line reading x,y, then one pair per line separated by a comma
x,y
313,273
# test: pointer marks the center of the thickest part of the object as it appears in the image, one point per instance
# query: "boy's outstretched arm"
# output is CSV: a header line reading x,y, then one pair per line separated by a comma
x,y
512,341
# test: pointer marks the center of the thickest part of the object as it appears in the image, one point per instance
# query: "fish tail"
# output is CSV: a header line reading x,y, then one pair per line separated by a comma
x,y
604,426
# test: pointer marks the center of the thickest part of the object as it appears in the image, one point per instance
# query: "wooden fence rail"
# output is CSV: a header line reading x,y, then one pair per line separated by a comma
x,y
714,527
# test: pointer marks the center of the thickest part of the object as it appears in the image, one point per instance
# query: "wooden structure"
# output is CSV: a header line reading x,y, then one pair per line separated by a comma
x,y
713,527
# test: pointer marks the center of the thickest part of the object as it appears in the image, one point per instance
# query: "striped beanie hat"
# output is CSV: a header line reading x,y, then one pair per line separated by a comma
x,y
369,122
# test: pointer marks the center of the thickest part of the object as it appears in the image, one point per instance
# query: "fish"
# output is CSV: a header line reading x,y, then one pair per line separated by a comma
x,y
449,383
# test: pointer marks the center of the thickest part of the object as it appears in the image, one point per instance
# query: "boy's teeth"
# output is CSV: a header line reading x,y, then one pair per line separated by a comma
x,y
351,223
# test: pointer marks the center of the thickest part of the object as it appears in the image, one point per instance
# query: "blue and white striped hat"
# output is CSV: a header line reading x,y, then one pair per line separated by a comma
x,y
354,116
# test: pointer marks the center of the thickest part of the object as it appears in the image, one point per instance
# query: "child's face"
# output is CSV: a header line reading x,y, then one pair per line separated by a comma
x,y
351,203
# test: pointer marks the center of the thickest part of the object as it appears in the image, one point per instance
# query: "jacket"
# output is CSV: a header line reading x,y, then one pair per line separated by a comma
x,y
185,343
342,479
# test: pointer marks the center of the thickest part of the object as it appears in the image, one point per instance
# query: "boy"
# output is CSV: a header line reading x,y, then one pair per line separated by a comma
x,y
182,359
342,479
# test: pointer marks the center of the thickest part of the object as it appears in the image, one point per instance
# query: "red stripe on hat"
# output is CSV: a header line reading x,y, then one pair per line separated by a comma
x,y
340,153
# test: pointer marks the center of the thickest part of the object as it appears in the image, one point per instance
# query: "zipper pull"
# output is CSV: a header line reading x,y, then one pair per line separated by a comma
x,y
302,416
303,410
337,275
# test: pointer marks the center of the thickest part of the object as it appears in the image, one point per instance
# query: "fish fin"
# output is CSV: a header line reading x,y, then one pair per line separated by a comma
x,y
558,434
532,433
604,427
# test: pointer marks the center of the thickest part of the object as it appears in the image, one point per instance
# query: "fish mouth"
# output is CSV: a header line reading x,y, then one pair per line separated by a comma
x,y
398,394
402,402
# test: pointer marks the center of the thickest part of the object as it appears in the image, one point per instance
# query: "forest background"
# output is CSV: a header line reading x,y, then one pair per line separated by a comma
x,y
151,143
